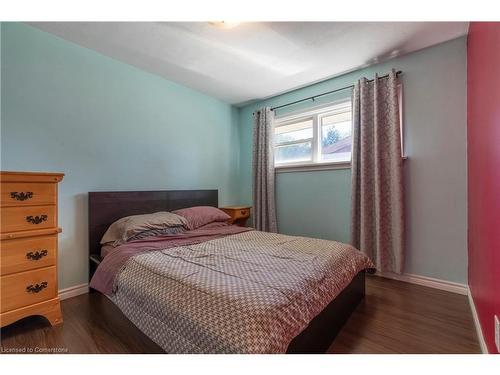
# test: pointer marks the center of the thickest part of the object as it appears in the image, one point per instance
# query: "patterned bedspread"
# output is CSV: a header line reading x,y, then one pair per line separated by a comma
x,y
251,292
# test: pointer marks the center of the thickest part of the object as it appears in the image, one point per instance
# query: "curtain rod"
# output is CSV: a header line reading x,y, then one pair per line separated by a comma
x,y
326,93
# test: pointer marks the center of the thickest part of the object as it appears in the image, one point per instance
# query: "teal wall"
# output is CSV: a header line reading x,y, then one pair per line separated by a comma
x,y
317,203
107,126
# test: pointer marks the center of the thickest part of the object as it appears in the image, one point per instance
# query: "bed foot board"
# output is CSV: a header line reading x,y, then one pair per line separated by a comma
x,y
320,333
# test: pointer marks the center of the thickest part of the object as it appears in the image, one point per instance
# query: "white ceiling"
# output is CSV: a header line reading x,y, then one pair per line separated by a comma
x,y
253,60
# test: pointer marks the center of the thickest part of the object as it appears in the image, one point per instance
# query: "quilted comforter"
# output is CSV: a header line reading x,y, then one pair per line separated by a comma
x,y
251,292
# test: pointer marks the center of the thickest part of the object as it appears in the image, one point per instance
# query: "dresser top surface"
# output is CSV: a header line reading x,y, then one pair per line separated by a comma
x,y
15,176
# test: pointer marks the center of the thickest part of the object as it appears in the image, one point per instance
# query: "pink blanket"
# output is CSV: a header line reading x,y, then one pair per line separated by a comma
x,y
104,277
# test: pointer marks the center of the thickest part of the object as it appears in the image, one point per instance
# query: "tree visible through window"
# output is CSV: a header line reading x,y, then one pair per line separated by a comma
x,y
332,136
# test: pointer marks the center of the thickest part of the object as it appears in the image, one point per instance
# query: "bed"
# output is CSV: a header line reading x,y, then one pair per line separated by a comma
x,y
261,308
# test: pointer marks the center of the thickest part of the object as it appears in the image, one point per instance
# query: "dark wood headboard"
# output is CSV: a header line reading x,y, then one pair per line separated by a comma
x,y
109,206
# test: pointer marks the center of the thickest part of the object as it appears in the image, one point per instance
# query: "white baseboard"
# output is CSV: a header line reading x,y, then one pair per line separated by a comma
x,y
479,331
430,282
73,291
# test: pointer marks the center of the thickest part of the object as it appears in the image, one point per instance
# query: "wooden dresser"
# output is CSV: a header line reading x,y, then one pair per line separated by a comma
x,y
28,247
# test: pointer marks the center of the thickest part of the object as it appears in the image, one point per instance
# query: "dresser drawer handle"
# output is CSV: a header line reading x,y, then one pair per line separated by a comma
x,y
22,196
37,288
37,254
36,219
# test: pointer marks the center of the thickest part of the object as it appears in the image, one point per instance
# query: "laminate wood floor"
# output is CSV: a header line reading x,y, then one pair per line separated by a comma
x,y
398,317
394,317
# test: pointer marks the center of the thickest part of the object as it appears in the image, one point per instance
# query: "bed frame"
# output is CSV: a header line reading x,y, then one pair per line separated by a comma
x,y
107,207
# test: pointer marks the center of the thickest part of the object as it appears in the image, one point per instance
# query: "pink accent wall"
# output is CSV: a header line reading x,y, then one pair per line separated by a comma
x,y
483,164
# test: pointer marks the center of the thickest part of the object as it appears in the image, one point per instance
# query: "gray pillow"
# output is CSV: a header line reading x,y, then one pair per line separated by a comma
x,y
157,232
127,227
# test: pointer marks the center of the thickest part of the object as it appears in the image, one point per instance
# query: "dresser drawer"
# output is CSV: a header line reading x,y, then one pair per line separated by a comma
x,y
26,288
27,253
26,194
28,218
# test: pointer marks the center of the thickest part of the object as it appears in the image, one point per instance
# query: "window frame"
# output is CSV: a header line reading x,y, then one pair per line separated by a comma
x,y
315,114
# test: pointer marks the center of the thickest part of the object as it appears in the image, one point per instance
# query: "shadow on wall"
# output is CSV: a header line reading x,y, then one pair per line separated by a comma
x,y
73,243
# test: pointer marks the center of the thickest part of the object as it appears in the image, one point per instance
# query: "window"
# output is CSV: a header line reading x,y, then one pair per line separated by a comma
x,y
319,137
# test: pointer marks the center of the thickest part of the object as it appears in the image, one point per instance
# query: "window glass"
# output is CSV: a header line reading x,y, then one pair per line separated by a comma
x,y
294,132
293,153
336,137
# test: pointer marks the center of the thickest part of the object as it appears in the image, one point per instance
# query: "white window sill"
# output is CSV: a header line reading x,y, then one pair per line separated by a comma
x,y
315,167
311,167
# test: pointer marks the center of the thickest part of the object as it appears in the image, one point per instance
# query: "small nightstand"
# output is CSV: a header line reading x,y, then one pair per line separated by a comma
x,y
239,214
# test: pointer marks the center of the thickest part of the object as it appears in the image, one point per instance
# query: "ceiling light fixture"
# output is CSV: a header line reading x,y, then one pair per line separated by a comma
x,y
224,24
